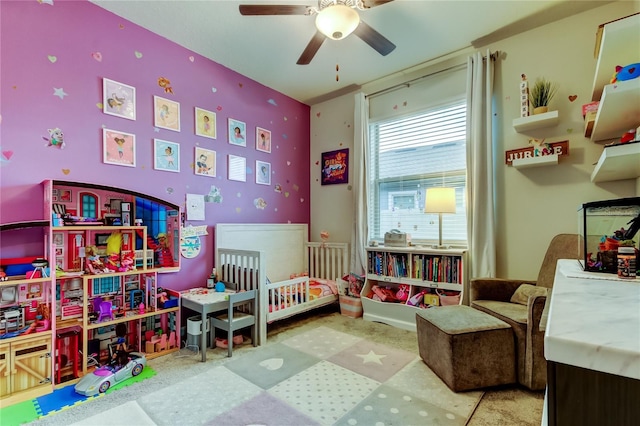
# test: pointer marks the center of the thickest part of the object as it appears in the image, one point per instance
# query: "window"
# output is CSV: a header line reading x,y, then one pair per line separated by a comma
x,y
153,215
88,205
408,155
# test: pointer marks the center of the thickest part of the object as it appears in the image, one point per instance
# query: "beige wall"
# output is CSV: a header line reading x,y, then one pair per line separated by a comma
x,y
532,204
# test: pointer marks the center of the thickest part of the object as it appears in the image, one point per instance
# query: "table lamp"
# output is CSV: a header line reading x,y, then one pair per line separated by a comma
x,y
440,200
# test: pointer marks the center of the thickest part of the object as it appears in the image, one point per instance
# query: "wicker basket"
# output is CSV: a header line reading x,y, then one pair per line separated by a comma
x,y
449,298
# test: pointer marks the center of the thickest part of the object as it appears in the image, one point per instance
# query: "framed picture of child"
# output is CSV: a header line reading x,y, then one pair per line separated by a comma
x,y
118,148
237,132
263,140
263,173
166,114
205,123
166,155
205,162
118,99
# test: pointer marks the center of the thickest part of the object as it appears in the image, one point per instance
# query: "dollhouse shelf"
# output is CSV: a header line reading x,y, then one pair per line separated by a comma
x,y
128,318
527,163
618,162
538,121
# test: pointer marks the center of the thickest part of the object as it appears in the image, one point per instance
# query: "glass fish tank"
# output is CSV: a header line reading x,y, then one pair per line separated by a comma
x,y
604,227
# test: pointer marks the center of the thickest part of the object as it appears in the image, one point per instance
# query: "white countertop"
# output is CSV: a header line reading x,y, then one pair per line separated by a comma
x,y
594,321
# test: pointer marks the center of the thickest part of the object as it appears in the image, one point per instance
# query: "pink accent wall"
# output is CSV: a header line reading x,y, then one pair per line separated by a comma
x,y
54,59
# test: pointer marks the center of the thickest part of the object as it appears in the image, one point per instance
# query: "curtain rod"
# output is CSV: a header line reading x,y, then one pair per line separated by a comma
x,y
493,56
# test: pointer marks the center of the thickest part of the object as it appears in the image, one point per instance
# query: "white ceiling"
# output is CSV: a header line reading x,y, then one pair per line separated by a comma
x,y
266,48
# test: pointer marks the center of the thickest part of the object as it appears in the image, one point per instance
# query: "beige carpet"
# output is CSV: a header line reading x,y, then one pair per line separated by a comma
x,y
507,406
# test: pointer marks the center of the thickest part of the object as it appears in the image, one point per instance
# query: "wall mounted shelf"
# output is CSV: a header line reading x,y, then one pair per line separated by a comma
x,y
618,110
538,121
618,162
544,160
618,45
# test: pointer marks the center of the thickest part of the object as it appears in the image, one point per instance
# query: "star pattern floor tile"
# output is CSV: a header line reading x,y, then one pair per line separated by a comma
x,y
376,361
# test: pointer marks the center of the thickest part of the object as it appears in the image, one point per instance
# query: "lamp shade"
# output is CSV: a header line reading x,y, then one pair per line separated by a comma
x,y
440,200
337,21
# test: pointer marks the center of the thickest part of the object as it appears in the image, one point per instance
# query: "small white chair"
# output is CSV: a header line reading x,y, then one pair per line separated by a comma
x,y
241,313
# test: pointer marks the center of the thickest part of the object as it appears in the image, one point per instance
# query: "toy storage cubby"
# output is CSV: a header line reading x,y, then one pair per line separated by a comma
x,y
417,269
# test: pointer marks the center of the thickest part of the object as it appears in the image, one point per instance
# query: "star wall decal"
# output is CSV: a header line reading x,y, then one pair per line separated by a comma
x,y
59,92
371,357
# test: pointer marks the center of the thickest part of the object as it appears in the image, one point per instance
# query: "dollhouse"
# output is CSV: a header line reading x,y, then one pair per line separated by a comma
x,y
73,276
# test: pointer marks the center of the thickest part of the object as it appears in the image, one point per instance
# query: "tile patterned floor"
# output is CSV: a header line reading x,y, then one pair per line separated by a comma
x,y
319,377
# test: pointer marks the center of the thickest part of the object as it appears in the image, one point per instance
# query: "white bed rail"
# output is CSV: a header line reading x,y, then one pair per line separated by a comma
x,y
240,267
327,260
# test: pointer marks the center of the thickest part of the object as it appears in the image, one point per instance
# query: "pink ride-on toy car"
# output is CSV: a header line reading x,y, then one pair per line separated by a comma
x,y
108,375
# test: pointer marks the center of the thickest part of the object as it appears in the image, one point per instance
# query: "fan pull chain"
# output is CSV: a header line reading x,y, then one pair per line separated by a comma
x,y
337,69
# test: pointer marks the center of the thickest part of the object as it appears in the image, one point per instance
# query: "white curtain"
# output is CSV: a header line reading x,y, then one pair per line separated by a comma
x,y
480,174
359,233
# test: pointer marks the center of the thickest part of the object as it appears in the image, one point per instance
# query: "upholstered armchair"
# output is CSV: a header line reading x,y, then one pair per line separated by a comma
x,y
521,306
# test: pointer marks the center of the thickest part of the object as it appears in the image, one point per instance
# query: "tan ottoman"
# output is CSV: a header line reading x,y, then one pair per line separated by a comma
x,y
466,348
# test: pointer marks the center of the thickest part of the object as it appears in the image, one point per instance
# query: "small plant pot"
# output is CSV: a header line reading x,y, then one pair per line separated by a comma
x,y
540,110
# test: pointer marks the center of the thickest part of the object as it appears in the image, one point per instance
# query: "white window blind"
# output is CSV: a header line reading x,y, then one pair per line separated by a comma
x,y
408,155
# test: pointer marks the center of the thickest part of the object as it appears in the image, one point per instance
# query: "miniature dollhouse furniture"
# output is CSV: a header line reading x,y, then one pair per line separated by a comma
x,y
521,306
241,313
466,348
105,311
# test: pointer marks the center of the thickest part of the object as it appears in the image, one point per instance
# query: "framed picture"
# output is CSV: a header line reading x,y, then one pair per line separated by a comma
x,y
118,148
237,168
205,123
58,239
263,173
118,99
166,155
166,114
205,161
66,196
54,195
335,167
237,132
59,251
263,139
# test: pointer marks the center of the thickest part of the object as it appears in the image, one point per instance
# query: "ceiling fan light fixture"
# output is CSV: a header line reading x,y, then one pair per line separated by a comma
x,y
337,21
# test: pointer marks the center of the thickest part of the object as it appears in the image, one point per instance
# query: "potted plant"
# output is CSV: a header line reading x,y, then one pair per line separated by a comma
x,y
541,94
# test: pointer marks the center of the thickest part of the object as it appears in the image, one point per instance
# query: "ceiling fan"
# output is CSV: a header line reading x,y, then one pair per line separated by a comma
x,y
335,19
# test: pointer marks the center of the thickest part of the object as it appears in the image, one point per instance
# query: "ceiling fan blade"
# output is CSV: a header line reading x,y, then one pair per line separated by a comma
x,y
273,9
368,4
311,49
374,39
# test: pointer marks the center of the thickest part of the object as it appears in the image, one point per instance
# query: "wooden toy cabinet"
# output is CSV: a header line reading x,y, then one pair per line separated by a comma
x,y
25,365
419,269
52,323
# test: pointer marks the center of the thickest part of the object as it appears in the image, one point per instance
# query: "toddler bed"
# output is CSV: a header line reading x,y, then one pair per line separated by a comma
x,y
291,274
